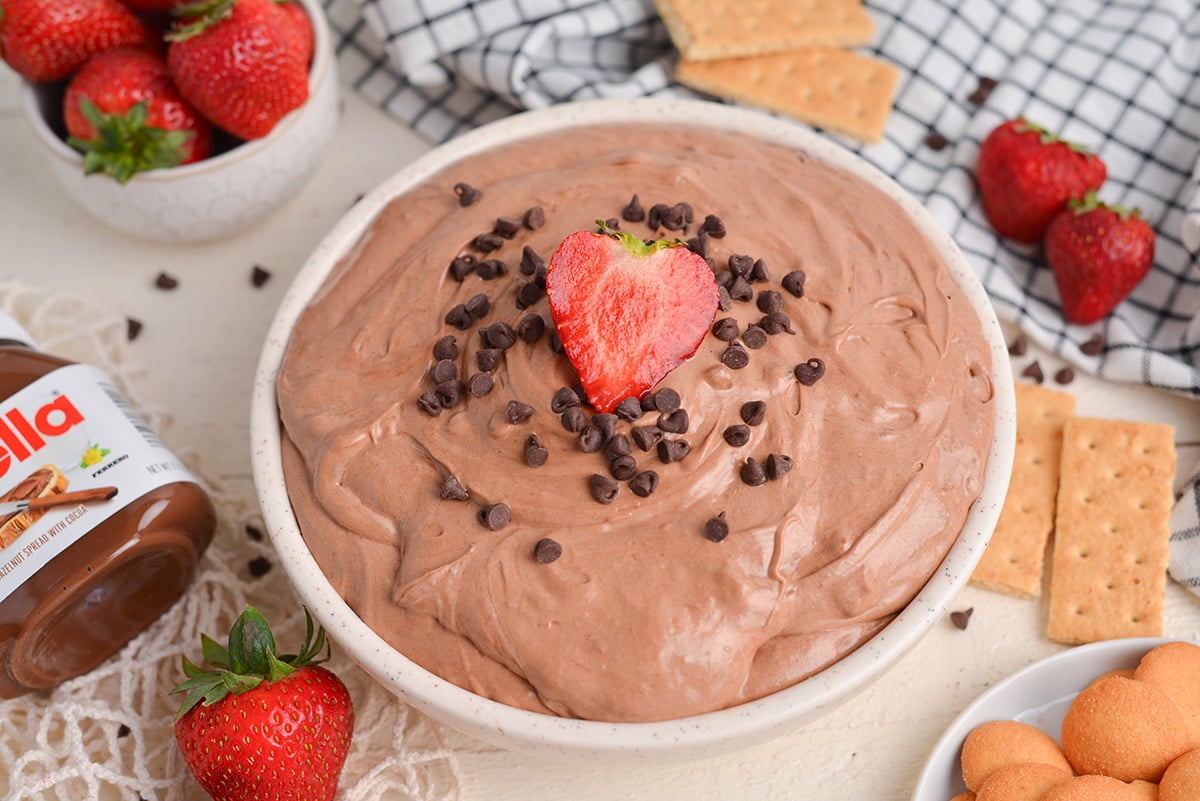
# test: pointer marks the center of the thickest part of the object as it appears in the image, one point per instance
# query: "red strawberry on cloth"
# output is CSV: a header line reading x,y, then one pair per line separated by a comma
x,y
627,312
47,40
259,726
125,115
1026,176
1098,253
237,62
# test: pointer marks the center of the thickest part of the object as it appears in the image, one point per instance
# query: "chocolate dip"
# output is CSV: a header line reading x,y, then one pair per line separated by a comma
x,y
642,616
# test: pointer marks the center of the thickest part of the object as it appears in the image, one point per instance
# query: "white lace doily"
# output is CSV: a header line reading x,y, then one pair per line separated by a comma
x,y
109,735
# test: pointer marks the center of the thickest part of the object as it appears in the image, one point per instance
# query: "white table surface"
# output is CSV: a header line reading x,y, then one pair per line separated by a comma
x,y
200,343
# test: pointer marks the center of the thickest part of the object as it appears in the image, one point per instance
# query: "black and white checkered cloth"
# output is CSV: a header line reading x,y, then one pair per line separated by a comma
x,y
1121,77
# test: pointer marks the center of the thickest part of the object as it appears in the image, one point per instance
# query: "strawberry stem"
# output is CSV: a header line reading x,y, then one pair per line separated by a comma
x,y
636,245
1091,201
1048,138
200,17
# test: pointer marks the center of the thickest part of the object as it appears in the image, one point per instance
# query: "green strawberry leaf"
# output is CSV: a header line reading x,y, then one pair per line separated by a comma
x,y
125,145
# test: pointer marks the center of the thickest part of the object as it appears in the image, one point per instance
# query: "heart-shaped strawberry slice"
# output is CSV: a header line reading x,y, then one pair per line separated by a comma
x,y
628,312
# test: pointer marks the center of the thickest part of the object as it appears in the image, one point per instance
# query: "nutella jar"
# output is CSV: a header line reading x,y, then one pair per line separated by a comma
x,y
114,524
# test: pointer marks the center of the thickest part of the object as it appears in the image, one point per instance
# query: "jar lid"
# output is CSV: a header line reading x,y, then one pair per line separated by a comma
x,y
11,330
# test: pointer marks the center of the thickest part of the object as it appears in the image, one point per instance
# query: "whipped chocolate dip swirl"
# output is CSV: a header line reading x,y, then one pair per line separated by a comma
x,y
685,592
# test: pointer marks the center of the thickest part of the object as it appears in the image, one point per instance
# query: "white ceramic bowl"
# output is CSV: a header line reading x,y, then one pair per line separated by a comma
x,y
208,199
673,740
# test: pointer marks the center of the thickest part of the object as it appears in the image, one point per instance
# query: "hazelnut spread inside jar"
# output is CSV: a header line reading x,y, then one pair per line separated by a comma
x,y
80,578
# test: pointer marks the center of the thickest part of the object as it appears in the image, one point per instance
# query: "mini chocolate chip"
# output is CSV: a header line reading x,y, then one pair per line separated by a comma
x,y
499,335
737,435
1018,346
518,412
604,488
676,422
446,348
759,272
647,402
507,227
936,141
723,299
546,551
699,245
776,323
623,468
646,437
133,327
735,357
673,450
531,262
259,566
259,276
629,409
490,269
809,372
529,294
488,359
556,345
1034,371
1064,376
617,446
124,731
606,422
462,266
487,242
1094,346
573,419
754,412
495,516
753,473
450,393
688,213
580,392
778,465
536,453
165,281
590,439
565,397
480,384
644,483
726,329
740,290
655,216
444,370
633,211
254,533
724,278
983,91
676,217
741,264
667,400
716,529
612,224
793,282
478,306
453,490
534,218
769,301
467,194
430,403
459,317
960,617
755,337
713,226
531,328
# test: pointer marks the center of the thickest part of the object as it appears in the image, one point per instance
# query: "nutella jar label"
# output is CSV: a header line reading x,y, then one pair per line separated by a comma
x,y
72,454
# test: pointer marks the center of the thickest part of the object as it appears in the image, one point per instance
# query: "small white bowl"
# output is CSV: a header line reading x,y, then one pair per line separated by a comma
x,y
208,199
674,740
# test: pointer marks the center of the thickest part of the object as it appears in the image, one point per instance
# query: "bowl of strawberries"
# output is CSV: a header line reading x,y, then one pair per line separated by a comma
x,y
149,121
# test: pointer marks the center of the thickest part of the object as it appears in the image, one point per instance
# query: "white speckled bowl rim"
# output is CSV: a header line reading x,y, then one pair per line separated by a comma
x,y
674,740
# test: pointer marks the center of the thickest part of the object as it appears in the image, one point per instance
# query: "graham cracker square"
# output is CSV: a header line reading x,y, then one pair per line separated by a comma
x,y
712,29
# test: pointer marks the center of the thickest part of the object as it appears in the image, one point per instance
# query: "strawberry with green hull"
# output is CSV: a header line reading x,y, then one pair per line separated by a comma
x,y
628,312
1099,254
238,62
1026,176
262,727
48,40
123,112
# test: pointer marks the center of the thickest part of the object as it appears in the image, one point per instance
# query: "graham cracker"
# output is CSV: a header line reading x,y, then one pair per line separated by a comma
x,y
1109,565
712,29
1013,561
833,89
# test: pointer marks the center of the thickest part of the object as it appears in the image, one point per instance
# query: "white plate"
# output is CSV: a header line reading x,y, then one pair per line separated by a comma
x,y
1038,694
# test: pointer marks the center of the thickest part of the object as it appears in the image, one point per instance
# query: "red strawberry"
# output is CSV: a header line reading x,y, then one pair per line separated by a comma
x,y
155,6
627,312
47,40
269,727
1027,175
125,115
236,62
1098,253
301,26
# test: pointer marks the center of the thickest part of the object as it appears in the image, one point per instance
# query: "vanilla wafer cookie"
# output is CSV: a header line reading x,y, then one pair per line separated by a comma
x,y
712,29
1109,564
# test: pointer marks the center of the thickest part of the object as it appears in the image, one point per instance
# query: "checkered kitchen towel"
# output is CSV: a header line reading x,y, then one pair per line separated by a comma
x,y
1119,76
